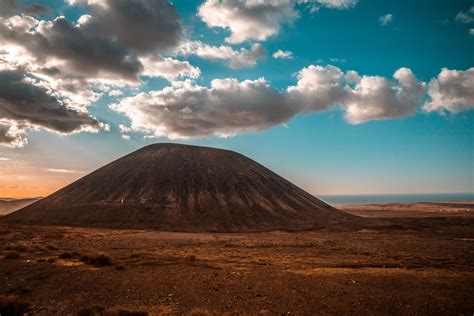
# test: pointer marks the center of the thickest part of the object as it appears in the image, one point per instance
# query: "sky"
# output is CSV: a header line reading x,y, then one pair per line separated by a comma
x,y
338,96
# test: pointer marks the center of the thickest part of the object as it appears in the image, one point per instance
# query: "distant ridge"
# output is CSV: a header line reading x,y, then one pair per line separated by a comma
x,y
184,188
8,205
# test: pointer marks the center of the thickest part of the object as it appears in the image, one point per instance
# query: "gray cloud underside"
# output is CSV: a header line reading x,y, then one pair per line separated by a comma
x,y
142,25
82,52
30,105
107,43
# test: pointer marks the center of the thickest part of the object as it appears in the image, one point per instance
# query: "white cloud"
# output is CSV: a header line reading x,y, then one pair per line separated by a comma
x,y
250,19
242,58
452,90
465,17
115,93
282,54
124,129
362,98
318,88
231,107
258,19
336,4
168,68
471,32
227,108
126,137
386,19
375,97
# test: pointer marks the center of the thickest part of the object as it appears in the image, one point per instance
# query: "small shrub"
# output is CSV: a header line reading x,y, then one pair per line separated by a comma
x,y
191,258
69,255
101,311
99,260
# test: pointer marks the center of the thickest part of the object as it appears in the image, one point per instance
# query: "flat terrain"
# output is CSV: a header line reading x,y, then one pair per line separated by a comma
x,y
433,209
414,265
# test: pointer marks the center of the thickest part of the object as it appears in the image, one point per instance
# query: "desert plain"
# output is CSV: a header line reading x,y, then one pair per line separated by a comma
x,y
420,263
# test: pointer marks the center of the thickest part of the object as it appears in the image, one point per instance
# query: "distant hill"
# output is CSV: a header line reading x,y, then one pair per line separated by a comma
x,y
184,188
8,205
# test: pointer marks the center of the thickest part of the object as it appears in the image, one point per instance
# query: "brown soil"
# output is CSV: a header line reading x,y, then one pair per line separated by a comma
x,y
414,266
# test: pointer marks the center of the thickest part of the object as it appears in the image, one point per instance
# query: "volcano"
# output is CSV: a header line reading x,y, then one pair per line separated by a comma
x,y
177,187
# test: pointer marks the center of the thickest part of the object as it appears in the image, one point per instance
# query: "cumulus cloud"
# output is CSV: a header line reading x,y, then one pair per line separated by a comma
x,y
108,45
385,19
142,25
53,70
282,54
236,59
26,104
250,19
228,107
452,90
465,17
362,98
169,68
318,88
376,97
258,19
73,48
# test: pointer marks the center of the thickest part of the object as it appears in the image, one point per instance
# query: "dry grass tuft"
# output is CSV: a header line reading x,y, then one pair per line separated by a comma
x,y
98,260
69,255
102,311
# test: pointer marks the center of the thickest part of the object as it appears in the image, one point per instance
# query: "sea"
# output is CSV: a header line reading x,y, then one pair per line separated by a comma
x,y
361,199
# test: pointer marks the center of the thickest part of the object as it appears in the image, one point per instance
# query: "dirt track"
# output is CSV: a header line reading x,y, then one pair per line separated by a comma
x,y
419,266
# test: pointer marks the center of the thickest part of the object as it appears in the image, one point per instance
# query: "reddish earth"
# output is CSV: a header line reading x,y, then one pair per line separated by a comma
x,y
414,266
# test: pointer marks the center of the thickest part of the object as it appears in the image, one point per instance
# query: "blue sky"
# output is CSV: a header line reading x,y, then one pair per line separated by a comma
x,y
318,149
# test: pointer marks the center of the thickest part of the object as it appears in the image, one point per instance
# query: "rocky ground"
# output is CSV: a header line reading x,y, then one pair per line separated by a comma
x,y
412,266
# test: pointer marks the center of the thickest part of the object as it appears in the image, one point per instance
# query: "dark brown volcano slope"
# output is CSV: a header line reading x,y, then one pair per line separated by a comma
x,y
180,187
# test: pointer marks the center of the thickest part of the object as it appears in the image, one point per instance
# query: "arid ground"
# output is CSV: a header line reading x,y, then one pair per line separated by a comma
x,y
418,264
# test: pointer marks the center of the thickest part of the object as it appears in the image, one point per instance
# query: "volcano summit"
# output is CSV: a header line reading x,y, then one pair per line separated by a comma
x,y
183,188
